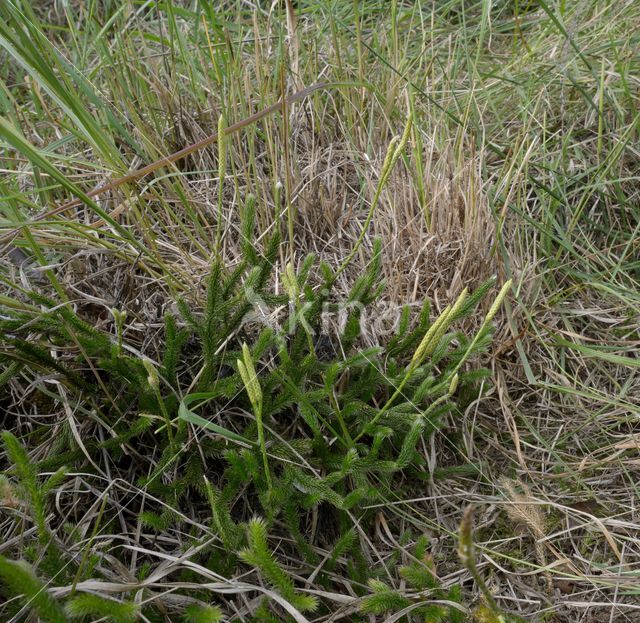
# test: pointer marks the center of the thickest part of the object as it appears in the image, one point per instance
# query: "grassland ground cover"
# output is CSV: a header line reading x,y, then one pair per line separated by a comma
x,y
370,357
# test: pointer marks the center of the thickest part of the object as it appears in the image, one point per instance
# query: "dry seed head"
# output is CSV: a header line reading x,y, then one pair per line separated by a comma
x,y
522,508
465,537
8,496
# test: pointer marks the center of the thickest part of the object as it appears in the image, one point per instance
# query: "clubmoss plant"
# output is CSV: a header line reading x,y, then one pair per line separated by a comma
x,y
327,437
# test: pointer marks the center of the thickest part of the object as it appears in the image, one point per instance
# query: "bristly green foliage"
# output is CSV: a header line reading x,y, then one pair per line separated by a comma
x,y
33,492
203,614
422,579
360,413
258,555
18,580
87,605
